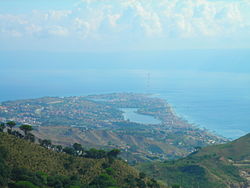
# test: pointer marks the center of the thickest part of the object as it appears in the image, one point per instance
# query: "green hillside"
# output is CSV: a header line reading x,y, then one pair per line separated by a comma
x,y
24,162
237,150
219,166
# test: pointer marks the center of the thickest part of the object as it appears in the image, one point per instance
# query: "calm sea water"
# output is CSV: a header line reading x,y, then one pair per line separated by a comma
x,y
225,112
212,95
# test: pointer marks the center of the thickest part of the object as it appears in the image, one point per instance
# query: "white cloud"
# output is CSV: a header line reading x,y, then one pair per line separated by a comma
x,y
15,34
58,15
33,29
146,18
113,19
82,27
58,31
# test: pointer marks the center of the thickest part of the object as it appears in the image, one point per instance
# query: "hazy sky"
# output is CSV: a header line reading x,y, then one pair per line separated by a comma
x,y
111,25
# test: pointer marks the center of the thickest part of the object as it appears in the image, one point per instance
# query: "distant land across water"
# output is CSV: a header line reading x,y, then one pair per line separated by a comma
x,y
213,95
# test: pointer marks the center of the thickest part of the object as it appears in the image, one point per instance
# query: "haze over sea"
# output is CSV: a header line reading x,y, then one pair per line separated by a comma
x,y
210,88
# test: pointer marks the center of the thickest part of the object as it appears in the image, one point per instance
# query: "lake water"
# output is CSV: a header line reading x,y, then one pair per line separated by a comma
x,y
130,114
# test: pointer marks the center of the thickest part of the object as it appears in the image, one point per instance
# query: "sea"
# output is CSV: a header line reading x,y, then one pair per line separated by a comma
x,y
215,95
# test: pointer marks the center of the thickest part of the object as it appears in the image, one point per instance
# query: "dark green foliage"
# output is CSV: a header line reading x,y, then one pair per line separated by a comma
x,y
25,178
106,165
3,154
175,186
59,148
142,175
22,174
30,137
130,182
78,148
26,128
23,184
194,170
103,181
140,183
18,174
58,181
9,131
11,124
153,183
45,143
114,153
4,173
69,150
17,134
4,169
69,162
110,171
43,177
2,127
95,154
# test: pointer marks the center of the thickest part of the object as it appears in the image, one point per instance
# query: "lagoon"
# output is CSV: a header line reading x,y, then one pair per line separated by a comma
x,y
130,114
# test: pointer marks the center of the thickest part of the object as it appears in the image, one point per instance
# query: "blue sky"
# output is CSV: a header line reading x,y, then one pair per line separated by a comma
x,y
118,25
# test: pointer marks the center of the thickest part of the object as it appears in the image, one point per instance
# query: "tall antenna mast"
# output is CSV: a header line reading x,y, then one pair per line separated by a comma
x,y
148,80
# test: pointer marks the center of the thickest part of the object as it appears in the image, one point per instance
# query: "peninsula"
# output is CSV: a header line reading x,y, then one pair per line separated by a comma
x,y
98,121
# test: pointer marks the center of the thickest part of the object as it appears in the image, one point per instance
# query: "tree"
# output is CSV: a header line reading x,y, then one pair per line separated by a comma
x,y
104,181
153,183
17,134
26,129
55,181
59,148
175,186
78,148
45,143
130,181
142,175
4,169
24,184
141,183
30,137
2,127
114,153
95,154
69,150
11,124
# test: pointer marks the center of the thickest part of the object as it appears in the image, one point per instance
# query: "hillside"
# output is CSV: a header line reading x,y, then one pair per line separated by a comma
x,y
26,161
137,146
219,166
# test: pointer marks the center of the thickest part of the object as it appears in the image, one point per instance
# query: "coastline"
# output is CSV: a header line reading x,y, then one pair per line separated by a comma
x,y
188,111
101,120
